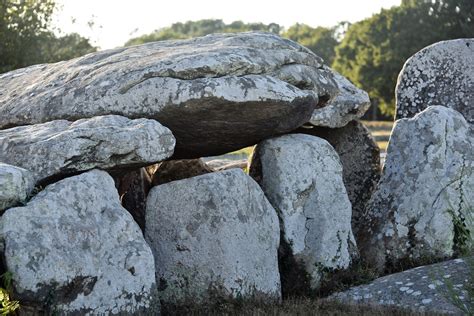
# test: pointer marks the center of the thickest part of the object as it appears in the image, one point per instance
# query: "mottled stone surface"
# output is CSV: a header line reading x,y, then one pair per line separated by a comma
x,y
76,250
423,289
302,177
425,193
360,158
16,184
440,74
348,104
216,93
213,236
133,187
173,170
63,147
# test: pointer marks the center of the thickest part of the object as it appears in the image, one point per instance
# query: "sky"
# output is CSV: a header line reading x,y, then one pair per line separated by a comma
x,y
110,23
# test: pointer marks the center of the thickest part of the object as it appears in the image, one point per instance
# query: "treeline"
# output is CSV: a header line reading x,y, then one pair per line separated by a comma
x,y
26,37
370,52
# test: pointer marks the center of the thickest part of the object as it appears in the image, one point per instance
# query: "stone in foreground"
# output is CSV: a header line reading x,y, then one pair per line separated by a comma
x,y
424,197
213,236
360,158
424,289
440,74
61,147
74,246
302,177
216,93
16,184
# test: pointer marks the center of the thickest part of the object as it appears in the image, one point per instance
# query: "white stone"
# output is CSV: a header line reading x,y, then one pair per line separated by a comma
x,y
302,177
63,147
16,184
427,186
75,245
213,236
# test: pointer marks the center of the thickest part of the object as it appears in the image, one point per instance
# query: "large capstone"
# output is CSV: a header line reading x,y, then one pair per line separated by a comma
x,y
302,177
62,147
423,202
214,236
73,249
438,289
216,93
440,74
360,158
16,184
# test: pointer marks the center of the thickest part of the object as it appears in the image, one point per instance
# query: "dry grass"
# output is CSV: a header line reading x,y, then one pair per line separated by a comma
x,y
289,307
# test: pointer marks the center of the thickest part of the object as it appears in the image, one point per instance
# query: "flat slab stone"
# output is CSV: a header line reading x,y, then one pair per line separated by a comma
x,y
74,246
302,177
216,93
440,74
63,147
424,289
16,184
424,198
214,236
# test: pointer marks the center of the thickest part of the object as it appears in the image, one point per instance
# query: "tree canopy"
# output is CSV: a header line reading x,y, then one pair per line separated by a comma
x,y
26,37
373,51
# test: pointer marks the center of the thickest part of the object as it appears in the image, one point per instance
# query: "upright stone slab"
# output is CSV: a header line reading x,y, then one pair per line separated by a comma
x,y
360,158
216,93
213,236
424,197
61,147
440,74
16,184
73,250
302,177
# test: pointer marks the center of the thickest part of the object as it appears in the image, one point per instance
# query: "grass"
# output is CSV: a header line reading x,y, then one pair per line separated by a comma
x,y
289,307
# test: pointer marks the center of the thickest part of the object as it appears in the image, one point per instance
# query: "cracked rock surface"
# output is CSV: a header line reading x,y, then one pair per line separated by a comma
x,y
63,147
16,184
216,93
213,236
302,177
423,289
425,194
440,74
74,246
360,158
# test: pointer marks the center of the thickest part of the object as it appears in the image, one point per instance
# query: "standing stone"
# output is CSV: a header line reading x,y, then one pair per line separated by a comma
x,y
425,194
133,187
440,74
213,236
173,170
216,93
75,250
61,147
360,158
16,184
302,177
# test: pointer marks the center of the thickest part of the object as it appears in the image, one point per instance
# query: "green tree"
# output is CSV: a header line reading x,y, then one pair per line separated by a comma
x,y
200,28
26,37
320,40
374,50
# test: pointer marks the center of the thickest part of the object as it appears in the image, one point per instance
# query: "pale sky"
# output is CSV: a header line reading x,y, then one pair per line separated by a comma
x,y
116,21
